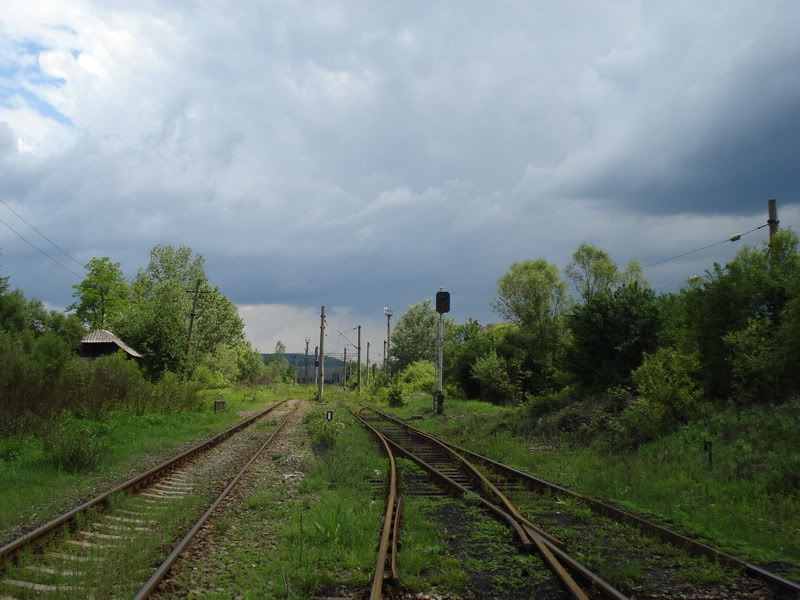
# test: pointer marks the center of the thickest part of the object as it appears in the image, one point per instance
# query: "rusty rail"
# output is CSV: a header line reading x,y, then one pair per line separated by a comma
x,y
529,535
150,586
40,534
691,546
391,523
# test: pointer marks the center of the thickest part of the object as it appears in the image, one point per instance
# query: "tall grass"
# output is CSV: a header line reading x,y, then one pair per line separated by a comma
x,y
41,379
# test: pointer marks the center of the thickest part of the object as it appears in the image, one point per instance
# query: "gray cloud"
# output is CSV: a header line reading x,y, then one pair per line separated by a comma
x,y
361,154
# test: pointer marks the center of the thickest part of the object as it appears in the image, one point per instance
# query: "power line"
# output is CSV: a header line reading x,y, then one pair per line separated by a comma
x,y
732,238
40,250
41,234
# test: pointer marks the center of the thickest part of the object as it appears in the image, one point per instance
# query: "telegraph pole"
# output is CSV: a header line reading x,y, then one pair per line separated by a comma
x,y
344,369
321,383
196,291
367,364
305,363
384,358
772,219
359,359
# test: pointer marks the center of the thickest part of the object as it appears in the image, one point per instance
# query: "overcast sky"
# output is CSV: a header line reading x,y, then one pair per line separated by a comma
x,y
359,154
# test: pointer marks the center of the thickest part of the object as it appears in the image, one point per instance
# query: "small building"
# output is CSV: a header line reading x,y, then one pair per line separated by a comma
x,y
102,342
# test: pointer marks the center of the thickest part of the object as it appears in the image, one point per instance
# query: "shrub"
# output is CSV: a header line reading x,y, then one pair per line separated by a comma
x,y
667,378
496,386
395,395
323,433
74,447
754,361
419,376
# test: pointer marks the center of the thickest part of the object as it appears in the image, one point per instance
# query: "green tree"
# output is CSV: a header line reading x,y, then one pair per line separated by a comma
x,y
610,334
103,295
592,271
533,296
414,336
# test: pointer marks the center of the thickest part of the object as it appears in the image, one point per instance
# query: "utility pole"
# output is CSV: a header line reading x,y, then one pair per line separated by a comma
x,y
367,364
344,369
305,363
359,359
388,312
772,219
316,364
384,359
196,291
321,383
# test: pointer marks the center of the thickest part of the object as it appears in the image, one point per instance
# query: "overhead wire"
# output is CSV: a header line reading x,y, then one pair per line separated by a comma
x,y
21,218
728,239
40,250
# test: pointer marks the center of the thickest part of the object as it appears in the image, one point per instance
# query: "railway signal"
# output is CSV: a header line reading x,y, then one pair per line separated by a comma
x,y
442,306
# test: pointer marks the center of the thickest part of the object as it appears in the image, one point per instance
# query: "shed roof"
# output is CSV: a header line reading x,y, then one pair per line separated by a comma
x,y
103,336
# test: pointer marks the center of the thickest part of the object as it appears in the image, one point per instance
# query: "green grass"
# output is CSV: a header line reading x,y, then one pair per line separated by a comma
x,y
740,504
34,490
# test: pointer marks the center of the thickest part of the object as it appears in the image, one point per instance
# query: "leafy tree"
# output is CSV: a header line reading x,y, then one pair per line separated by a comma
x,y
610,334
533,296
414,336
591,271
103,295
158,320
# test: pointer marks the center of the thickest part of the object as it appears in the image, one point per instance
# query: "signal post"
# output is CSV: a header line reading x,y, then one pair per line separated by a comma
x,y
442,307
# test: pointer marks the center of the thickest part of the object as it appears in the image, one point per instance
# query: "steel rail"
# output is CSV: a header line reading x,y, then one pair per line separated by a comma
x,y
688,544
39,535
389,533
551,553
150,586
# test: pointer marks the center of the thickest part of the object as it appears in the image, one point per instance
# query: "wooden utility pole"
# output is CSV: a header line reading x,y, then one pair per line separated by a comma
x,y
321,383
344,369
384,358
772,219
305,363
367,364
196,291
359,359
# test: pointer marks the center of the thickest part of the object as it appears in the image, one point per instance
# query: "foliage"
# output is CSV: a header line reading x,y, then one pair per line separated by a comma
x,y
419,376
103,295
591,271
322,432
74,447
491,372
395,395
532,295
610,334
667,390
414,336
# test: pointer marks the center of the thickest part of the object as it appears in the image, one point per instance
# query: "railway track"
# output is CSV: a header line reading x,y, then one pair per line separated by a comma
x,y
460,477
453,467
88,551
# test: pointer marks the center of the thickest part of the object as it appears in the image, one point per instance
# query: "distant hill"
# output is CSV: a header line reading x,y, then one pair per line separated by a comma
x,y
296,360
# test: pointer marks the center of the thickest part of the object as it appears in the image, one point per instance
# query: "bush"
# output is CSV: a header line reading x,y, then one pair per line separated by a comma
x,y
754,361
323,433
667,377
395,395
74,447
496,386
419,376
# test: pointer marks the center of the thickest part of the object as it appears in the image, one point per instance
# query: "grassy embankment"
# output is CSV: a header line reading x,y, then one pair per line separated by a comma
x,y
741,503
35,489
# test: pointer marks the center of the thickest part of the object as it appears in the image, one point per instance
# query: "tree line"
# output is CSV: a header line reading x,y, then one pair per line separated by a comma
x,y
42,376
598,334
